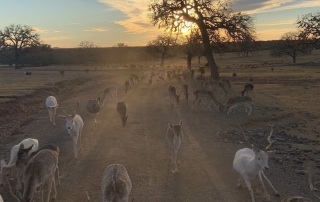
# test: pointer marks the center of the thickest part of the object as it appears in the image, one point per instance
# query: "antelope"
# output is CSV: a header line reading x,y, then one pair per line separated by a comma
x,y
109,93
52,105
126,85
6,170
122,112
74,125
247,88
116,184
174,140
208,96
93,107
185,90
249,164
237,101
173,94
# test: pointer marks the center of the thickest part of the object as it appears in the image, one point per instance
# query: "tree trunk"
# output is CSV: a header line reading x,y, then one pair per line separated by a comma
x,y
199,57
16,61
189,60
294,57
208,51
162,59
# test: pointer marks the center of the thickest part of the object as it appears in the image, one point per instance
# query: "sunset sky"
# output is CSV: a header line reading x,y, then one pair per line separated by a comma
x,y
65,23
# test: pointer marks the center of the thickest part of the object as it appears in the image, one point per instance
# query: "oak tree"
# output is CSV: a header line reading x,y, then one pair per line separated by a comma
x,y
208,15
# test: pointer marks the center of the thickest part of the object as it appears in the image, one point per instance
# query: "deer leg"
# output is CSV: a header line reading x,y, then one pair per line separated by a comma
x,y
239,181
80,139
58,175
250,110
170,154
248,183
264,187
276,193
49,186
175,160
75,150
54,188
19,176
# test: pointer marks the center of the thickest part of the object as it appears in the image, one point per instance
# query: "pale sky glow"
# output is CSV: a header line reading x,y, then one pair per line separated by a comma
x,y
65,23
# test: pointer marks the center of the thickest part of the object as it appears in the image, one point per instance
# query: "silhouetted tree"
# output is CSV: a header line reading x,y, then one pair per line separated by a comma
x,y
87,52
218,18
160,46
309,26
193,46
17,40
291,44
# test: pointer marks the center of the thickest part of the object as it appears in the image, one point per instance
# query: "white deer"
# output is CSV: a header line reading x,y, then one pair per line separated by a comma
x,y
74,125
249,164
52,105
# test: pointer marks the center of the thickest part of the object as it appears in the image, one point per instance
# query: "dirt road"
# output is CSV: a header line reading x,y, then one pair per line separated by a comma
x,y
205,173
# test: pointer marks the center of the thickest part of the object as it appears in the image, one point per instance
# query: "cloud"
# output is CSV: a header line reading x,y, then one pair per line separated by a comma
x,y
273,34
287,22
258,6
37,29
44,31
95,30
56,38
137,20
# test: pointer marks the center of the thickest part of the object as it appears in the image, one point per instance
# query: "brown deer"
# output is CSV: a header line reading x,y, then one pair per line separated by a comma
x,y
208,96
122,112
173,94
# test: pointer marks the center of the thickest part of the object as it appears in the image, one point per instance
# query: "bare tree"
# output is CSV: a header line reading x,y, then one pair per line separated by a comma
x,y
247,45
86,44
16,40
309,25
193,46
291,44
160,46
120,45
87,52
217,17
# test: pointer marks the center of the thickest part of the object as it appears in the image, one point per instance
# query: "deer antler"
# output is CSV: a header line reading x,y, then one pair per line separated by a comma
x,y
88,197
65,112
269,138
311,185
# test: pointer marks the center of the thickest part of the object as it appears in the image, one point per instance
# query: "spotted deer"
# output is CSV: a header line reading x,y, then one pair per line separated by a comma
x,y
185,90
208,97
122,112
173,94
116,184
40,172
108,93
174,140
238,101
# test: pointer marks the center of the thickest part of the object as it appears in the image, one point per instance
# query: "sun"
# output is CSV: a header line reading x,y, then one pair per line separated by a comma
x,y
185,30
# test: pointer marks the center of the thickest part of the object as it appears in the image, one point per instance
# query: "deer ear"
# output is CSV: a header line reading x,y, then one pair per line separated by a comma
x,y
170,126
2,163
21,146
29,148
180,123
